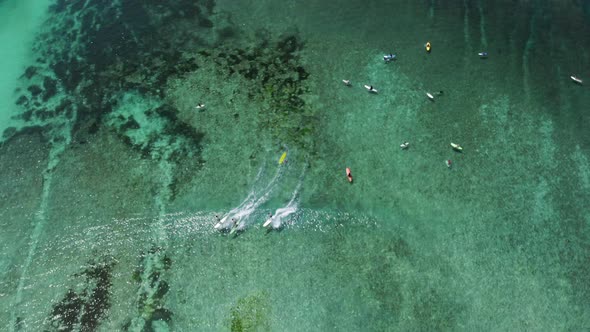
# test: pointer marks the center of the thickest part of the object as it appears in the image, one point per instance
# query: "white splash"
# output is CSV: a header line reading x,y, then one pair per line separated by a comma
x,y
238,216
275,221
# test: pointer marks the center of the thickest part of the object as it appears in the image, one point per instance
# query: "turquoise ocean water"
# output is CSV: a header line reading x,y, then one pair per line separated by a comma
x,y
112,180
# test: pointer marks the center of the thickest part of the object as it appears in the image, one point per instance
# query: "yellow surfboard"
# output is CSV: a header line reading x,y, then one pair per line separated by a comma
x,y
282,159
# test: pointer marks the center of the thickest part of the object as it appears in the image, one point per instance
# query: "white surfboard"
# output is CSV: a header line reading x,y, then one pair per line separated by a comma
x,y
268,222
235,228
370,89
577,79
220,223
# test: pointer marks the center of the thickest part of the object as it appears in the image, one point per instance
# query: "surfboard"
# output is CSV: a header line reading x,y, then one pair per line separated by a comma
x,y
430,96
577,79
267,223
370,89
456,147
282,159
235,227
220,223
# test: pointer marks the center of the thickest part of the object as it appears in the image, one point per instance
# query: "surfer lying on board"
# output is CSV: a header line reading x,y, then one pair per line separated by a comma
x,y
389,57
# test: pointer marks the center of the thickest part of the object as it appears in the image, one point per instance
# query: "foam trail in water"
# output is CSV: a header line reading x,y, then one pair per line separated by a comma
x,y
275,221
226,222
466,36
241,217
62,138
530,43
154,260
248,206
482,27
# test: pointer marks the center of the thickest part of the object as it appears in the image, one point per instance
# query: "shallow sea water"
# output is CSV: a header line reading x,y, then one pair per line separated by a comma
x,y
108,202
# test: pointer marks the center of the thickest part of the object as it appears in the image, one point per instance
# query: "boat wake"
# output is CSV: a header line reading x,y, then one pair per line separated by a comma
x,y
275,221
237,217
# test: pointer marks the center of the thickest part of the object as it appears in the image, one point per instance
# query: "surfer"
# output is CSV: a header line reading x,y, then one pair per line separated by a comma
x,y
200,106
268,221
349,175
346,82
389,57
370,88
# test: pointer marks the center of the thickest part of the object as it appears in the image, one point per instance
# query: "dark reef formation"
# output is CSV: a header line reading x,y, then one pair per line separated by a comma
x,y
273,67
149,277
85,308
97,57
94,51
250,313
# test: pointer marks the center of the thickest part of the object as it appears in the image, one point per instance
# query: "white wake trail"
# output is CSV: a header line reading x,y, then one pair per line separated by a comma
x,y
275,220
240,213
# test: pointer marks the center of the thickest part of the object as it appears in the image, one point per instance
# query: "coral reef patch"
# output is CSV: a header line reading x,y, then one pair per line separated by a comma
x,y
84,308
152,289
250,313
278,82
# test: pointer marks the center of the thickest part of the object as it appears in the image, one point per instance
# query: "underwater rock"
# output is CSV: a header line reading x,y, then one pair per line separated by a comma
x,y
205,23
36,130
50,86
93,128
22,100
152,313
250,313
130,124
9,132
289,45
63,106
30,72
64,315
87,307
162,314
35,90
302,73
278,80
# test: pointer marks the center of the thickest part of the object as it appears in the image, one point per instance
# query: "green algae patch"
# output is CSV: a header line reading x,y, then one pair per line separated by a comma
x,y
251,313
